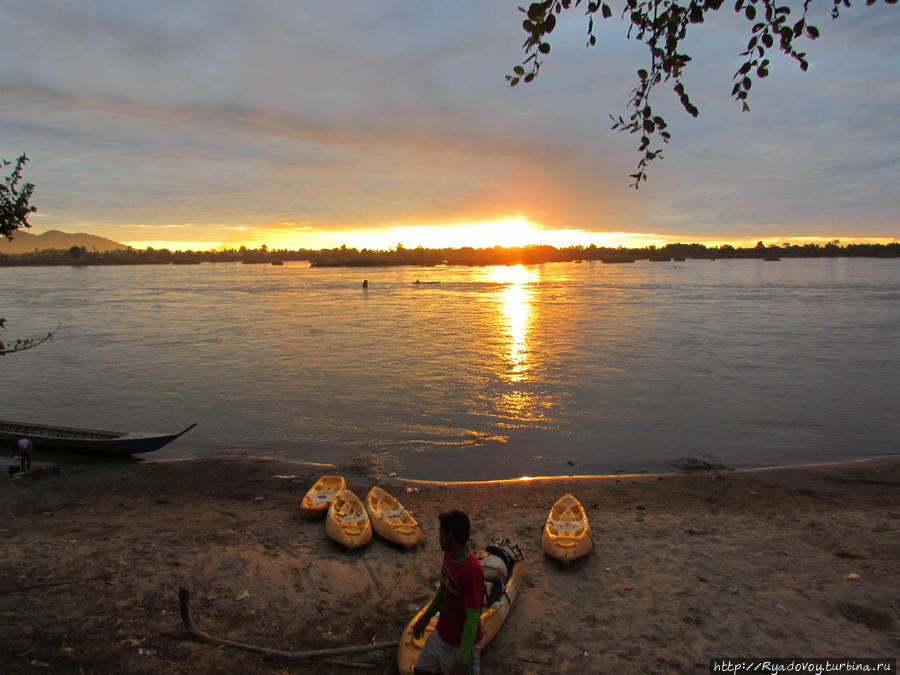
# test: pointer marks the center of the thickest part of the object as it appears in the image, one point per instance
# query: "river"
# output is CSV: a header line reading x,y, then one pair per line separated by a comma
x,y
464,373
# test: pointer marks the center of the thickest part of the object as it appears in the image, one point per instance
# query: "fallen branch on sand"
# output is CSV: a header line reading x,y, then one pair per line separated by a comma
x,y
50,584
184,599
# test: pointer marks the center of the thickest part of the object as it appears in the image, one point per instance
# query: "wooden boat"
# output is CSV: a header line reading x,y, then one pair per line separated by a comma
x,y
49,437
492,618
316,501
567,535
347,522
391,520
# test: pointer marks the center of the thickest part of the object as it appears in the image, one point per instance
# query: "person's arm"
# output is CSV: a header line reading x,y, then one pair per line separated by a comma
x,y
423,620
470,630
432,607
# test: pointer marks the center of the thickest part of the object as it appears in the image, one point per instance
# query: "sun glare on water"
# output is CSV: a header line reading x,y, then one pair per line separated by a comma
x,y
515,306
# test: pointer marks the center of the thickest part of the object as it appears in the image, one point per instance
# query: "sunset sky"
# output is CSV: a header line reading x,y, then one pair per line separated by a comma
x,y
210,123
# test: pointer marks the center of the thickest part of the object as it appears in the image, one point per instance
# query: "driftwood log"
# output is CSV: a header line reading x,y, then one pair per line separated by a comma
x,y
184,597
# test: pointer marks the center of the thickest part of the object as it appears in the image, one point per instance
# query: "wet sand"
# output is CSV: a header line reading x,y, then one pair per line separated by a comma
x,y
796,562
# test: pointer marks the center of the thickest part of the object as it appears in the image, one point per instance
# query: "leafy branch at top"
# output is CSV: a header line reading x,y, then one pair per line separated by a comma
x,y
662,26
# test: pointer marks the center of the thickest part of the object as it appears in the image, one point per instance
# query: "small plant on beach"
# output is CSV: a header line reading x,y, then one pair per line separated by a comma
x,y
705,463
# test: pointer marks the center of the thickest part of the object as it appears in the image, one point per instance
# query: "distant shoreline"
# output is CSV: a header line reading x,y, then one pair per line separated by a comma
x,y
429,257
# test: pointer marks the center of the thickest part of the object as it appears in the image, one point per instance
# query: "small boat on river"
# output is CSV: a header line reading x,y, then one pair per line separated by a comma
x,y
49,437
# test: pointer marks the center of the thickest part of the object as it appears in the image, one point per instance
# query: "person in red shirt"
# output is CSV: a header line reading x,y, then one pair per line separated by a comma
x,y
453,648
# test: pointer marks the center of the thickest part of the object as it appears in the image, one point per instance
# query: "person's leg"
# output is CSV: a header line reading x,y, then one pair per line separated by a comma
x,y
475,661
436,657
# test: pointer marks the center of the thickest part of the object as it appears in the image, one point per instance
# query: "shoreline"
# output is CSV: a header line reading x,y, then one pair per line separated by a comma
x,y
773,470
785,561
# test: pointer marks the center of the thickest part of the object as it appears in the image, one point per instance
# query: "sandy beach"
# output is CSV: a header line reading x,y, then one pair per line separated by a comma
x,y
799,562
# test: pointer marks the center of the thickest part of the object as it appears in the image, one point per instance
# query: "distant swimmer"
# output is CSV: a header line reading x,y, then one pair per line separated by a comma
x,y
365,283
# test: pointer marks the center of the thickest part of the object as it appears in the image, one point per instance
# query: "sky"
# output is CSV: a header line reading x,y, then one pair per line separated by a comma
x,y
198,124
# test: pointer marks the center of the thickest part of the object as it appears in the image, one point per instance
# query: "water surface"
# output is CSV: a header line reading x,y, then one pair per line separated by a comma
x,y
472,373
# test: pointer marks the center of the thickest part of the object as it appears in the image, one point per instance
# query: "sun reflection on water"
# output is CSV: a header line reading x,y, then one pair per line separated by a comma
x,y
516,309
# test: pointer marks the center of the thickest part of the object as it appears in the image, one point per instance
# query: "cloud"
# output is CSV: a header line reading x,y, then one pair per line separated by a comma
x,y
349,115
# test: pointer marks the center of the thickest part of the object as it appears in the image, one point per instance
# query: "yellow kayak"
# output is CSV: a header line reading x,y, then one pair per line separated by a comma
x,y
567,535
347,522
390,520
319,497
492,617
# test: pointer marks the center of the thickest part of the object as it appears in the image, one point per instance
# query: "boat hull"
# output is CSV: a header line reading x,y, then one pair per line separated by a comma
x,y
318,498
567,534
347,522
391,520
50,437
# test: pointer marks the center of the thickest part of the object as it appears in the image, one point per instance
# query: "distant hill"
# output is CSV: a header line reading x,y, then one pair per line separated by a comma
x,y
25,242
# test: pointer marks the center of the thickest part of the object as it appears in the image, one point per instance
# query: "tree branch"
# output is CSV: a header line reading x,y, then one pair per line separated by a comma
x,y
666,22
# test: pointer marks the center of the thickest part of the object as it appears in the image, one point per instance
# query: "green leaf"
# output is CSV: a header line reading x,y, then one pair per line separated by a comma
x,y
750,12
649,127
812,32
642,74
519,70
607,11
544,48
535,11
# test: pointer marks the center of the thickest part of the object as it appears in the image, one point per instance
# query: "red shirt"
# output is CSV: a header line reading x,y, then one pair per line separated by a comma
x,y
462,586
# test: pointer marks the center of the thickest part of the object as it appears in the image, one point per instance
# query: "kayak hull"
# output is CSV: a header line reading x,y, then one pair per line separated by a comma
x,y
347,522
567,533
318,498
391,520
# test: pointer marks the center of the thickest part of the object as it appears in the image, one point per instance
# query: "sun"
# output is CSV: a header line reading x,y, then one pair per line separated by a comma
x,y
506,232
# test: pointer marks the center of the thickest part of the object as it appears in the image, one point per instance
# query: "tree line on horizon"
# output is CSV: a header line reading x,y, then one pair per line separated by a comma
x,y
428,257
